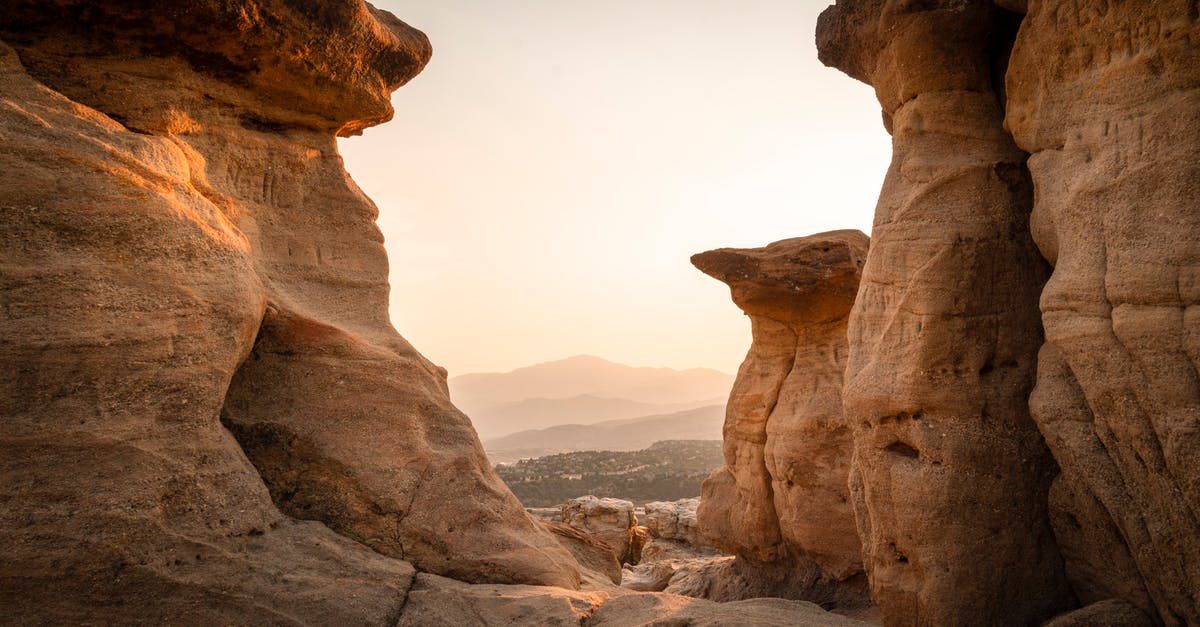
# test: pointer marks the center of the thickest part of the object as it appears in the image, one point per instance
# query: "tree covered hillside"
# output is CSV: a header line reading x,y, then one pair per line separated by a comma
x,y
666,471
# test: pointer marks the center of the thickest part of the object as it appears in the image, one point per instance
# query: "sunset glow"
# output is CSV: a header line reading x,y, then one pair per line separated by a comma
x,y
548,175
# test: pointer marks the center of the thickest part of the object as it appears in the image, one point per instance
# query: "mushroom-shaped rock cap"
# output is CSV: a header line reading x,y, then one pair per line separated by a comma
x,y
905,48
328,64
800,280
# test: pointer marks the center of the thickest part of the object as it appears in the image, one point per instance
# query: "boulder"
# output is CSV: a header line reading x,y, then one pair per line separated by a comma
x,y
676,520
591,553
782,493
650,576
950,475
1104,97
613,521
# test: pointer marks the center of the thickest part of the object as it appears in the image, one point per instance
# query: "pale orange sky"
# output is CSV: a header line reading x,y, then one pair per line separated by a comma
x,y
548,175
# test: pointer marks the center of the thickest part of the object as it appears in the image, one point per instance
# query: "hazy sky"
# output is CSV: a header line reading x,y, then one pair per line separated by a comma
x,y
548,175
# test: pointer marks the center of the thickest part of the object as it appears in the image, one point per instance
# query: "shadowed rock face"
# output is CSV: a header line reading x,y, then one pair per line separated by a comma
x,y
180,246
1105,98
950,475
782,494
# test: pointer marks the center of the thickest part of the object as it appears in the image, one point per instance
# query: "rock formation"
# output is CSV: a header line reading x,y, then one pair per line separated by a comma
x,y
180,247
1106,99
594,555
437,600
781,495
675,520
950,475
612,521
673,532
667,609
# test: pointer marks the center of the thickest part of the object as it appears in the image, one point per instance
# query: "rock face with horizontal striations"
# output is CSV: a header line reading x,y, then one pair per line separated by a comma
x,y
950,474
181,247
782,494
1106,99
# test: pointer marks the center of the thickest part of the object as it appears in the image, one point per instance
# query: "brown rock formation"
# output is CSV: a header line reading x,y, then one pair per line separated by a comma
x,y
612,521
445,602
1107,613
667,609
676,520
1105,97
950,474
179,244
782,494
592,553
440,601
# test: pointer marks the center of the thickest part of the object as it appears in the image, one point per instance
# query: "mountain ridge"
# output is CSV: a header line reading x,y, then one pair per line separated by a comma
x,y
582,389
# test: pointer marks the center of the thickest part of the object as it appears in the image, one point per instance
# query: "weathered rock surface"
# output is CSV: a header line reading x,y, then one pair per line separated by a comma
x,y
591,553
666,609
676,520
128,303
441,602
612,521
1107,613
658,549
782,494
1106,98
950,475
438,601
650,576
179,244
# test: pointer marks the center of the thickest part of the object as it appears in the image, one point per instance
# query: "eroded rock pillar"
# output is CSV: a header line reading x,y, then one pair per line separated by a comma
x,y
781,497
950,474
1106,98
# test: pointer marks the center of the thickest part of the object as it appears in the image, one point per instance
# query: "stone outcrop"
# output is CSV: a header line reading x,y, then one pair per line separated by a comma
x,y
446,602
673,532
782,494
1106,99
437,600
613,521
667,609
950,475
592,554
180,247
676,520
1107,613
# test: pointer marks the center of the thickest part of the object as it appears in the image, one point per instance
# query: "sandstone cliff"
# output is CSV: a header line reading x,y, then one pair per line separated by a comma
x,y
180,247
1106,99
950,474
1074,125
781,496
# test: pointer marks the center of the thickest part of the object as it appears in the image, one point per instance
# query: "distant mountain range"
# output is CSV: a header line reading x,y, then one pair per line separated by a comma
x,y
633,434
582,390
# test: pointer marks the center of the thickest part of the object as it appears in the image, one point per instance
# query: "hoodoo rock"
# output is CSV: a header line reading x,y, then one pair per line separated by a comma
x,y
782,495
950,474
1106,99
180,247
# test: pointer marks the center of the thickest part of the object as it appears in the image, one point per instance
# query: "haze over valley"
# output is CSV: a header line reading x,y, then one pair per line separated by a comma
x,y
586,390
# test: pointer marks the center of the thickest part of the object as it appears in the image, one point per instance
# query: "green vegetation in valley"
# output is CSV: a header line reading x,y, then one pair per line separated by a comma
x,y
666,471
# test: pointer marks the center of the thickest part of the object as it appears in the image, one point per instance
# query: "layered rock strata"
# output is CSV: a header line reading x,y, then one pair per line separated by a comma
x,y
180,246
950,475
1106,99
782,494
